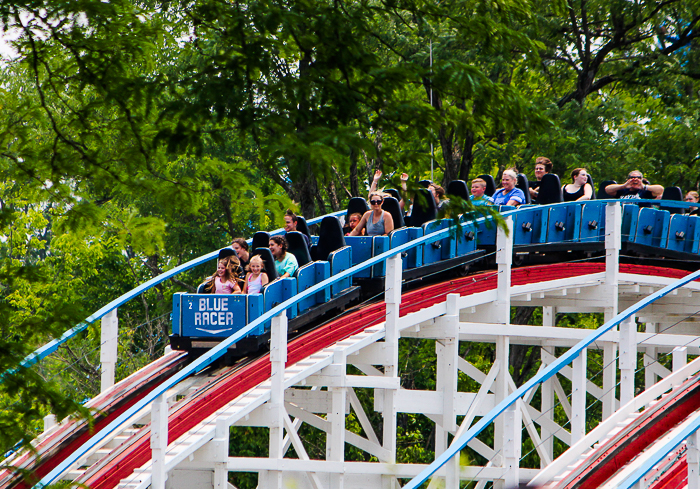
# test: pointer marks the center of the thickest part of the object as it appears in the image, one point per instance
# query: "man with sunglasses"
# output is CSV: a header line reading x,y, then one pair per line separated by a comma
x,y
634,188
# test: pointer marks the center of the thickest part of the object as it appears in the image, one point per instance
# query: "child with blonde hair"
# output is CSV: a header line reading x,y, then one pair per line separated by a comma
x,y
225,280
256,278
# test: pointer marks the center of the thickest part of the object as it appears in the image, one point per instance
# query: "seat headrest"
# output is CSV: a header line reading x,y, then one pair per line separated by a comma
x,y
391,205
550,190
524,185
296,245
330,238
459,188
261,239
357,205
424,208
490,184
302,227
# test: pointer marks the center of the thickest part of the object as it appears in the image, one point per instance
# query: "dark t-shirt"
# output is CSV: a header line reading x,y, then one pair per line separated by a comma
x,y
628,193
534,185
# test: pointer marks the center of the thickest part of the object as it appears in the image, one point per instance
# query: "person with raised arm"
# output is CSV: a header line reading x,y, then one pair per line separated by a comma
x,y
634,188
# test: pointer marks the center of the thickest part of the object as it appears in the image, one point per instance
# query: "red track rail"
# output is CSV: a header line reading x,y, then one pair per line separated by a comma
x,y
73,433
121,465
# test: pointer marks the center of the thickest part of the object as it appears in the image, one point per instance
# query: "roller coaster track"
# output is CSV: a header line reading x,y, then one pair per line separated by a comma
x,y
214,399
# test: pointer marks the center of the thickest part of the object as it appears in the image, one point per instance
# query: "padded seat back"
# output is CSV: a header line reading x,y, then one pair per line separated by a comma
x,y
261,239
524,185
357,205
602,194
490,184
425,183
424,208
296,245
590,182
550,190
269,260
391,205
330,238
459,189
672,193
302,226
394,193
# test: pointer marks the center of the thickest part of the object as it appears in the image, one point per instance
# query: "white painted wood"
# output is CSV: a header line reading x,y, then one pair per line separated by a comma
x,y
679,357
578,397
512,445
628,358
693,459
109,345
159,441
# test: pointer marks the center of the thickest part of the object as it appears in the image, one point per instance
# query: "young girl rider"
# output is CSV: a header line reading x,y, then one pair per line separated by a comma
x,y
256,278
225,280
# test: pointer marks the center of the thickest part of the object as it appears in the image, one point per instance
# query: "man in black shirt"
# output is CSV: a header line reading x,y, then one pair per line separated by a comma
x,y
634,188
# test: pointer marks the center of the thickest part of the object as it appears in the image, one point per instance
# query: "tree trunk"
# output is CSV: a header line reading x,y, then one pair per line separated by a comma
x,y
354,186
465,167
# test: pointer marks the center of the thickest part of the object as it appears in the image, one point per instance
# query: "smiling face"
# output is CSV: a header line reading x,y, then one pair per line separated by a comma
x,y
289,224
255,267
478,190
221,269
582,178
275,249
507,182
239,250
539,171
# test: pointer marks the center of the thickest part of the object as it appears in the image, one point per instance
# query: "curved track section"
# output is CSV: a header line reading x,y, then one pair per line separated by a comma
x,y
53,446
237,393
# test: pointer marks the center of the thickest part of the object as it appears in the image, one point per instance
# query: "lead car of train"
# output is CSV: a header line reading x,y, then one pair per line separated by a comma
x,y
540,233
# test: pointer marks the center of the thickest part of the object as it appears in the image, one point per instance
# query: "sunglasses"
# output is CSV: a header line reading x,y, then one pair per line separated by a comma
x,y
375,202
634,177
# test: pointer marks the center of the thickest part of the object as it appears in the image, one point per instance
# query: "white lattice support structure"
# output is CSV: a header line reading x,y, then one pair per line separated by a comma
x,y
512,446
109,344
578,397
693,459
628,358
318,390
335,440
679,357
547,389
447,350
278,359
613,243
392,298
650,357
159,441
504,261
